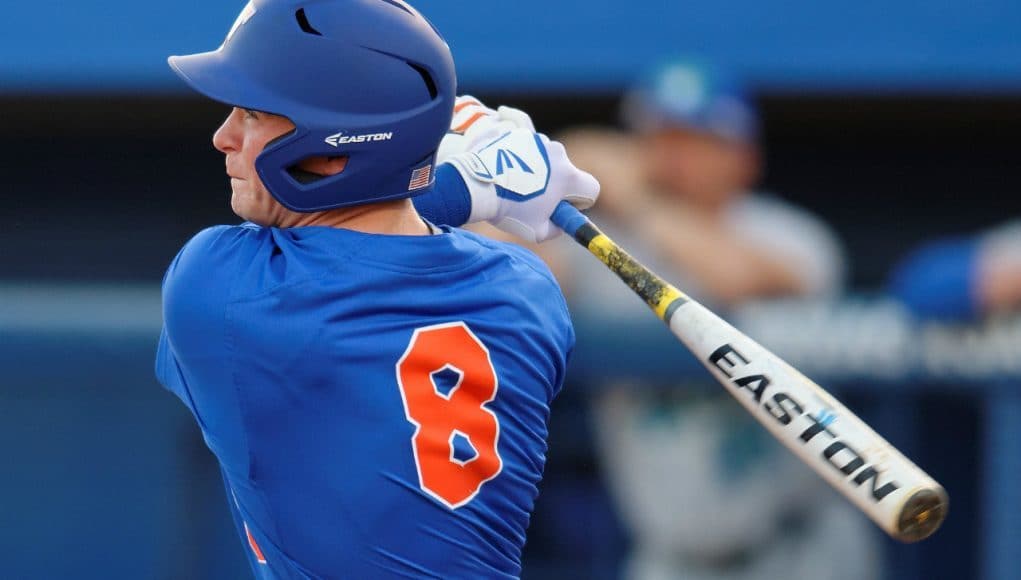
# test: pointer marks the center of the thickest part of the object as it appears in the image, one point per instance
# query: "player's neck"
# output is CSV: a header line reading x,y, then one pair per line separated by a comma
x,y
399,218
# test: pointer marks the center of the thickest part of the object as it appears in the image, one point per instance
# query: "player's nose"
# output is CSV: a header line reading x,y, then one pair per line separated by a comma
x,y
227,138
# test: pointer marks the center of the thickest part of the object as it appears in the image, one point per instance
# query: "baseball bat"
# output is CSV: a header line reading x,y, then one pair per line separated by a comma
x,y
898,496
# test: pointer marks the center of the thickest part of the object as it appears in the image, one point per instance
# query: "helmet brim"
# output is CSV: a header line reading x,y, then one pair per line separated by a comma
x,y
213,75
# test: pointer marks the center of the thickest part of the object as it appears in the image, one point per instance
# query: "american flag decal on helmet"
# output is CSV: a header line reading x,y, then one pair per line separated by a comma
x,y
421,178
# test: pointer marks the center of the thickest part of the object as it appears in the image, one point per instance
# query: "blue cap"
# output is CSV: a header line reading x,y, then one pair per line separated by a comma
x,y
690,94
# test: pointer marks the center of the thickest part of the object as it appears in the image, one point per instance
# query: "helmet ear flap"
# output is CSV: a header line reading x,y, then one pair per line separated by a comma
x,y
276,140
303,177
299,175
324,168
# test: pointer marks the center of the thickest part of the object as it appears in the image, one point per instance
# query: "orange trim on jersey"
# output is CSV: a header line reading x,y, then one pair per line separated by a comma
x,y
254,546
467,124
465,105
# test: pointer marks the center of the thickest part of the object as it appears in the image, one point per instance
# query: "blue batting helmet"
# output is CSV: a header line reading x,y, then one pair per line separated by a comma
x,y
371,80
690,94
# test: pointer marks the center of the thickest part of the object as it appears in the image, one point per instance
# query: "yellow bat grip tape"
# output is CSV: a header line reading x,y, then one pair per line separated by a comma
x,y
657,293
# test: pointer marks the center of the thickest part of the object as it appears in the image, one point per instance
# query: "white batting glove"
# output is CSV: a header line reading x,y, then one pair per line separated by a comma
x,y
516,177
473,119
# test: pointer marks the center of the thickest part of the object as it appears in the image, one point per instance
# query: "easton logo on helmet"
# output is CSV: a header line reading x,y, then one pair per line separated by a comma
x,y
341,139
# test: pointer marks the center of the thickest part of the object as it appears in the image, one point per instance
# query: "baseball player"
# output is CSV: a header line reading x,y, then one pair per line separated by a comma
x,y
374,383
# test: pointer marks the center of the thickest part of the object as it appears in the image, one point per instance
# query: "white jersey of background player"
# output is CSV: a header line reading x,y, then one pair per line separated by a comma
x,y
707,494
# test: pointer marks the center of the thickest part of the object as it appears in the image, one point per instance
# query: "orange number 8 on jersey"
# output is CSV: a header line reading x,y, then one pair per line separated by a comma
x,y
444,417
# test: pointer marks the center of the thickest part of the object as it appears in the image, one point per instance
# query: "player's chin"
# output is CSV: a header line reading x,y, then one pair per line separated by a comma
x,y
252,207
244,204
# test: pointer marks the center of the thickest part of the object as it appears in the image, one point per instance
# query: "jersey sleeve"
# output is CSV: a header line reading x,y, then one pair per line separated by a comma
x,y
565,334
568,352
196,289
168,373
560,329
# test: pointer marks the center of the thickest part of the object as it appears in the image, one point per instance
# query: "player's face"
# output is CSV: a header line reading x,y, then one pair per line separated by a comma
x,y
241,138
700,168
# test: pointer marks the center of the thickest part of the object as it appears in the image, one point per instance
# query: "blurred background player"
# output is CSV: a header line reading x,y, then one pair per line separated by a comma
x,y
706,492
962,279
374,387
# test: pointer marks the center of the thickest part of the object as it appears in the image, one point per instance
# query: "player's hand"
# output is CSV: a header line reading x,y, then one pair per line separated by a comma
x,y
472,119
516,178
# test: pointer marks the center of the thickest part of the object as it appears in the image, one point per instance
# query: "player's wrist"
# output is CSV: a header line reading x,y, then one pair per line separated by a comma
x,y
484,202
449,203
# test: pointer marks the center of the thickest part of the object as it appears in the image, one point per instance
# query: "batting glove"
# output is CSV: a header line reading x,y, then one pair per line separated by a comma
x,y
472,120
516,177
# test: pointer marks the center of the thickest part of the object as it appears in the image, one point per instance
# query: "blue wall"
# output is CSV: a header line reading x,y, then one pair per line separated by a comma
x,y
803,45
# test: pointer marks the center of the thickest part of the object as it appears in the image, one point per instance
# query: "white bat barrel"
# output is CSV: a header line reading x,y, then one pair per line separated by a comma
x,y
901,498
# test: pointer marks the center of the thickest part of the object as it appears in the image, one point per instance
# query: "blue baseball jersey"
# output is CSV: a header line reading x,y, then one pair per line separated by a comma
x,y
378,404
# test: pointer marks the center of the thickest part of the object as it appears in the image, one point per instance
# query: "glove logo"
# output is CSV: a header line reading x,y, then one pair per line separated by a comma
x,y
505,157
516,163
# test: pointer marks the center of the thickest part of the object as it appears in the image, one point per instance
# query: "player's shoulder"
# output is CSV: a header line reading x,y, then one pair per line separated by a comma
x,y
512,256
222,238
516,269
211,258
